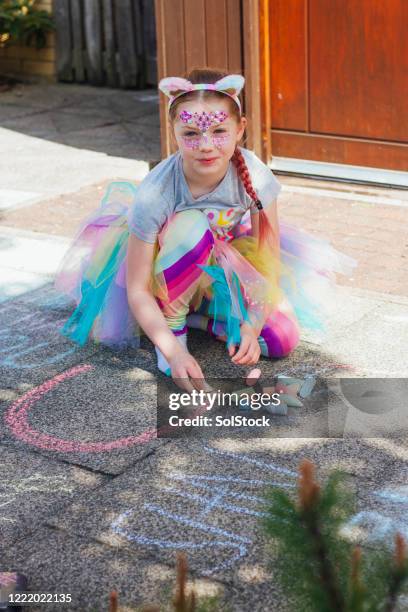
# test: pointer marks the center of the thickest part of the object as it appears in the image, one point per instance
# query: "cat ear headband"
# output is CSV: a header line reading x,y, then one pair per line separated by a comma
x,y
174,87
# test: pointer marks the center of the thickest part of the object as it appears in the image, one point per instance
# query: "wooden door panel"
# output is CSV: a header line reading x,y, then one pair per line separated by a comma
x,y
358,68
288,65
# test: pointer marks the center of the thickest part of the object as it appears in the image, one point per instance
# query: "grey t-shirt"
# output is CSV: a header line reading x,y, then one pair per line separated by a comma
x,y
164,191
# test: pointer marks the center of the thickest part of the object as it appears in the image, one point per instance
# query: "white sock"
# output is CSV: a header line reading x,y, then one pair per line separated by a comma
x,y
162,362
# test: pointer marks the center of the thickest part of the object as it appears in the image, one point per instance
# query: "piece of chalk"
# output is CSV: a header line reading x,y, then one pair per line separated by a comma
x,y
307,386
279,409
294,388
289,380
290,400
11,583
253,377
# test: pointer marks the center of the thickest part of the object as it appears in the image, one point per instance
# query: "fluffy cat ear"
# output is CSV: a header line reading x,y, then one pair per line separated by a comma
x,y
172,86
231,84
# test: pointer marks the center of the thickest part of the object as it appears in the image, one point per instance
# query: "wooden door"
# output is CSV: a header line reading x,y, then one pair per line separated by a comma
x,y
338,81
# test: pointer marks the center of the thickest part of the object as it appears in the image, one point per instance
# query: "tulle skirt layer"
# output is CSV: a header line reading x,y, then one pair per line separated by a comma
x,y
93,274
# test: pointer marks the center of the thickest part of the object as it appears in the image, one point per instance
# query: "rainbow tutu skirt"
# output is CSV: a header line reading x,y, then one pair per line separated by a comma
x,y
93,275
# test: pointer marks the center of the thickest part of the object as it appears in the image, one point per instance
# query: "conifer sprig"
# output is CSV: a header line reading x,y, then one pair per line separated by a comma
x,y
317,567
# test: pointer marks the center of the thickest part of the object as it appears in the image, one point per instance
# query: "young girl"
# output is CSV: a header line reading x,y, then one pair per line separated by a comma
x,y
197,244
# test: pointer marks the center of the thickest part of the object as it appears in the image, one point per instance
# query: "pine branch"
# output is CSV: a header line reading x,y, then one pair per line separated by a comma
x,y
182,603
398,575
357,589
113,602
309,493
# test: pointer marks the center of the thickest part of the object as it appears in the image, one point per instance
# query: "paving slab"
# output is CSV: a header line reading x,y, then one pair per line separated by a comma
x,y
377,343
31,252
76,167
93,415
15,283
124,140
59,215
95,133
9,198
206,498
32,348
55,562
28,260
32,488
344,309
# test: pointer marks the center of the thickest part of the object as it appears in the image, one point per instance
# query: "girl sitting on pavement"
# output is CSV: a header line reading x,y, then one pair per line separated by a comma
x,y
197,244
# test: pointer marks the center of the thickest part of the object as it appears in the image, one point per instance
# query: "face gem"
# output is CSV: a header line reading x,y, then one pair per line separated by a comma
x,y
193,142
220,140
203,121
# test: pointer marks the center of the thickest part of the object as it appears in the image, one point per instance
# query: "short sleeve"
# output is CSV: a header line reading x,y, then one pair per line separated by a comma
x,y
148,214
264,181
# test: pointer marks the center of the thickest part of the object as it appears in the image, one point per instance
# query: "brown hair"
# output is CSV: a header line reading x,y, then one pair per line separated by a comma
x,y
209,75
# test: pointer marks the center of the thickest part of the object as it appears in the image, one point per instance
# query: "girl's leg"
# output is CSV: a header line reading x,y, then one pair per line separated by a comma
x,y
200,319
281,333
279,336
186,241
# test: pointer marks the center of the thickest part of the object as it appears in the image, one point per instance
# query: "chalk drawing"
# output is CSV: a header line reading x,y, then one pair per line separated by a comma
x,y
36,483
22,350
9,500
49,298
11,489
185,545
381,526
16,418
246,459
211,492
399,495
215,502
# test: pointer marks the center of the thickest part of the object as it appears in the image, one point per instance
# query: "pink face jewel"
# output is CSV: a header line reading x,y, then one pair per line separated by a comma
x,y
192,143
203,120
220,140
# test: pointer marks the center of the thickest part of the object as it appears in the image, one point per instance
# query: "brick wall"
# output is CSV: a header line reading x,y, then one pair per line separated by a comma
x,y
29,62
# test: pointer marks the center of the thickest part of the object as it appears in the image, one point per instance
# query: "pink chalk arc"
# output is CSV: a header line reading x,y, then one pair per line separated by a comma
x,y
16,418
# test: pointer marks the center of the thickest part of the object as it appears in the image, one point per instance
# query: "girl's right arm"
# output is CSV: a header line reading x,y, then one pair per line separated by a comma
x,y
149,316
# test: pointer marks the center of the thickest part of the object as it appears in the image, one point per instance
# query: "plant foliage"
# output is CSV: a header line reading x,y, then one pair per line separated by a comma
x,y
317,567
21,22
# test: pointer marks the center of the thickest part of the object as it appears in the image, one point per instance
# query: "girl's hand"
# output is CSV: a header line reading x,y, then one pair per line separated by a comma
x,y
249,349
183,367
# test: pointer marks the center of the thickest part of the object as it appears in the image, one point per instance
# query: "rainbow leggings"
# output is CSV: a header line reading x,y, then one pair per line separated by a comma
x,y
188,240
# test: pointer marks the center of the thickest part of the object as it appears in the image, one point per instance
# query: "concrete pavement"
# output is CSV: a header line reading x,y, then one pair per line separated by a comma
x,y
89,500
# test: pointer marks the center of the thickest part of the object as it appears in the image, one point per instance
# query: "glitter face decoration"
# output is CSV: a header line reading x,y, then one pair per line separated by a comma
x,y
203,121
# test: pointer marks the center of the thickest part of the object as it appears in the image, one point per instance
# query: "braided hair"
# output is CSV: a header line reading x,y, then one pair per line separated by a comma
x,y
267,237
